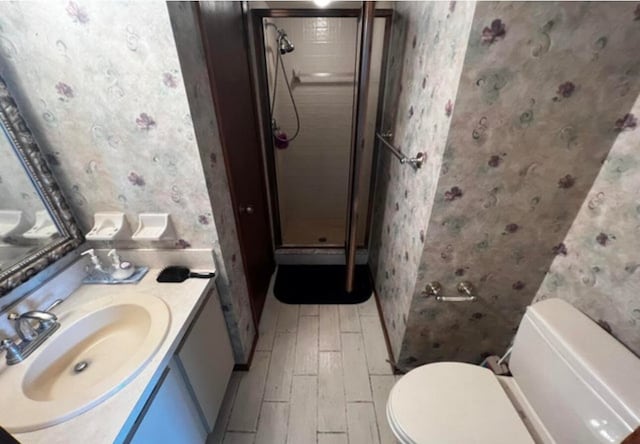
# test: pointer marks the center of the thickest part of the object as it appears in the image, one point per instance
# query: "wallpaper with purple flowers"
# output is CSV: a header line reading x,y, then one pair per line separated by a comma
x,y
101,86
597,266
424,64
546,90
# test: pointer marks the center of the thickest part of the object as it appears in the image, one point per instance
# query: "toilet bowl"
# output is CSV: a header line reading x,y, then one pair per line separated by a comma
x,y
572,383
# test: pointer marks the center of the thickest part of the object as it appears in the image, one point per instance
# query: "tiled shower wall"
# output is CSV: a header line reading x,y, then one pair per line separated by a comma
x,y
101,87
543,95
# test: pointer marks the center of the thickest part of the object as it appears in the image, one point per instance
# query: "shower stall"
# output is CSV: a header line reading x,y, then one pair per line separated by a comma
x,y
308,78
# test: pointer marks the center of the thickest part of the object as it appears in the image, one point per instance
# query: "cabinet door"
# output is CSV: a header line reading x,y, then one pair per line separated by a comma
x,y
170,416
207,359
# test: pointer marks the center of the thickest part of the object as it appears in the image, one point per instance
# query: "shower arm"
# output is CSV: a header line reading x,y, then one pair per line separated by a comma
x,y
280,31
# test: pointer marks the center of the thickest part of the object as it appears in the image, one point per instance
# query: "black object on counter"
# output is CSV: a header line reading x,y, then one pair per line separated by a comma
x,y
180,274
6,438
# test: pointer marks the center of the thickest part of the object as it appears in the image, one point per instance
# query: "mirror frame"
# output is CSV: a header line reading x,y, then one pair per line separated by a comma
x,y
33,161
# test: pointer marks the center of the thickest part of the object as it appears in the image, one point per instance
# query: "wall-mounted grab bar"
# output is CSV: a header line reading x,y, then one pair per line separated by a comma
x,y
415,162
324,77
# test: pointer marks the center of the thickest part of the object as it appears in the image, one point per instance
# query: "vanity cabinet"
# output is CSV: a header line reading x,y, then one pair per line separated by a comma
x,y
171,415
207,359
184,406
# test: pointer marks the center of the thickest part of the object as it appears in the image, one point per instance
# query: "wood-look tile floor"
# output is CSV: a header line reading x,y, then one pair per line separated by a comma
x,y
319,375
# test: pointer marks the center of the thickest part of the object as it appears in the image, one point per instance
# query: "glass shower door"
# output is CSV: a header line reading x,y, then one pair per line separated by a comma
x,y
311,160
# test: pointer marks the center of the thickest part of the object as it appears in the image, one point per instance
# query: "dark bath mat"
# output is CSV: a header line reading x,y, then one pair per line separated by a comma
x,y
321,284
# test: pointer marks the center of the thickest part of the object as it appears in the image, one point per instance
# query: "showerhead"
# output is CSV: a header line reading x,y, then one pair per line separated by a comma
x,y
284,43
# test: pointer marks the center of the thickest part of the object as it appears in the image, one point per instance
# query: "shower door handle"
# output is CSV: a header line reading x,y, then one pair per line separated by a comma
x,y
246,210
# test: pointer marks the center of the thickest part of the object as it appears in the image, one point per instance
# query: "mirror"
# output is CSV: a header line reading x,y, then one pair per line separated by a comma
x,y
25,225
36,226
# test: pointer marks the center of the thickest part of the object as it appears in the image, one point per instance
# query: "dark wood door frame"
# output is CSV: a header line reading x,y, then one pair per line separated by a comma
x,y
224,37
256,18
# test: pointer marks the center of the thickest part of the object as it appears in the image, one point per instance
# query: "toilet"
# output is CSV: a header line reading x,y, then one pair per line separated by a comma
x,y
572,383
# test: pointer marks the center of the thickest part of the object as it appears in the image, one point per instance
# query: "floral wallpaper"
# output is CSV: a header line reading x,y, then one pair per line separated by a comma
x,y
545,90
105,77
425,61
101,86
597,268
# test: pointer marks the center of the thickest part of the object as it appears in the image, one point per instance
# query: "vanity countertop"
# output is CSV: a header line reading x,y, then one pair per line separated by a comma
x,y
111,420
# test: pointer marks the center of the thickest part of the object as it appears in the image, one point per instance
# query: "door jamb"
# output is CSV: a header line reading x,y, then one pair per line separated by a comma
x,y
201,20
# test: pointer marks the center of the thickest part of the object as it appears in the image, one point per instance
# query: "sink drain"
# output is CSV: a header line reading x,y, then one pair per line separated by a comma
x,y
80,366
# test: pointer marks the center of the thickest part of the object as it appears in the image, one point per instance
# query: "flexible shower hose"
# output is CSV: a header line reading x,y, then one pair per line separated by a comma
x,y
280,62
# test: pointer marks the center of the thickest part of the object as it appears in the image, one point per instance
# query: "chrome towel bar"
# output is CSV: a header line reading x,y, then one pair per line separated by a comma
x,y
415,162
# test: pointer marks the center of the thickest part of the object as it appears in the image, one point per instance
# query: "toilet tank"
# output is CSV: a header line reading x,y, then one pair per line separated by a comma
x,y
580,381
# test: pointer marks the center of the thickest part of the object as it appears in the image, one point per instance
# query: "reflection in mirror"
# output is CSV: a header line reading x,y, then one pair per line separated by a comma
x,y
36,226
25,224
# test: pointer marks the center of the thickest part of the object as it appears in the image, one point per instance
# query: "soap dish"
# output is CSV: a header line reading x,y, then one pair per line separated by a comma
x,y
109,226
133,279
12,222
44,228
154,226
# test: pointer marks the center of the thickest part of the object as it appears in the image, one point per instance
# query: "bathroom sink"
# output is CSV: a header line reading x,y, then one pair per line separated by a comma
x,y
99,348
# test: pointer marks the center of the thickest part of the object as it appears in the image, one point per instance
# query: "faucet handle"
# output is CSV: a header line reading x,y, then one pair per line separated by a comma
x,y
25,330
14,354
9,346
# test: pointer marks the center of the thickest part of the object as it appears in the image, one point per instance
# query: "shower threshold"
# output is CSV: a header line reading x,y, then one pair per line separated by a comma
x,y
317,256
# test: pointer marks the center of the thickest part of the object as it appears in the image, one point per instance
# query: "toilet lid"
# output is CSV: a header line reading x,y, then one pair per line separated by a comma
x,y
451,402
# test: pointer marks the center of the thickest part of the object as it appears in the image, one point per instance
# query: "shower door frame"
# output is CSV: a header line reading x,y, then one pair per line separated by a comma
x,y
256,17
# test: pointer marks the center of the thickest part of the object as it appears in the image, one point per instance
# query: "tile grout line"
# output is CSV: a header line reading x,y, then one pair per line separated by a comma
x,y
264,388
359,317
388,360
317,365
275,324
344,388
373,405
317,375
233,404
318,382
225,429
261,401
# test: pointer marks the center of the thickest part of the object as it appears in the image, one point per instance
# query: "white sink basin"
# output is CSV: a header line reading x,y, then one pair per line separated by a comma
x,y
100,347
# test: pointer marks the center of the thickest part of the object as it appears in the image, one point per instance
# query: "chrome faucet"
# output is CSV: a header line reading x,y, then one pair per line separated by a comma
x,y
33,328
24,323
